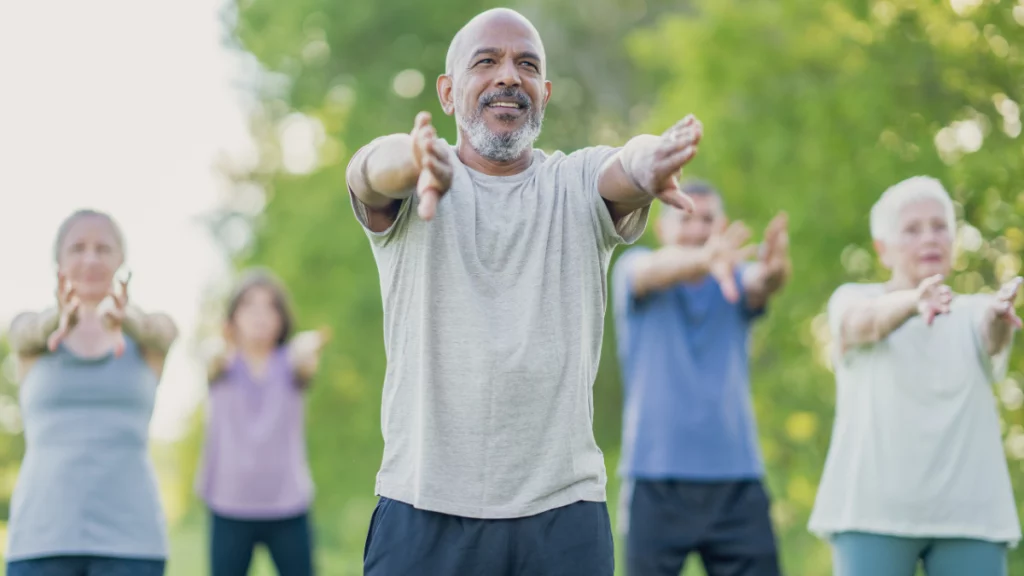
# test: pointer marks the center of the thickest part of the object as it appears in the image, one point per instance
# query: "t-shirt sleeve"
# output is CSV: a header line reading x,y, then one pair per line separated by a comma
x,y
623,294
362,213
629,227
838,304
995,366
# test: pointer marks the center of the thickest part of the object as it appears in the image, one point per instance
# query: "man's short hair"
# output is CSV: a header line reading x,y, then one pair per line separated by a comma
x,y
697,187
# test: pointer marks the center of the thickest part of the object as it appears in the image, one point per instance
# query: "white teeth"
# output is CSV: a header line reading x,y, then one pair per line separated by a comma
x,y
504,105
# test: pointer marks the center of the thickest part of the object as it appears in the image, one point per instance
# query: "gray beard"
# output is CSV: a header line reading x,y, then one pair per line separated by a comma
x,y
500,147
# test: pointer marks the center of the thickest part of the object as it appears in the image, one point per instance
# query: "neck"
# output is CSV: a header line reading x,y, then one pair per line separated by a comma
x,y
902,282
256,350
471,158
88,312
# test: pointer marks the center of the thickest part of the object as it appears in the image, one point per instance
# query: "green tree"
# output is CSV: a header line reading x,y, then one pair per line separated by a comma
x,y
12,444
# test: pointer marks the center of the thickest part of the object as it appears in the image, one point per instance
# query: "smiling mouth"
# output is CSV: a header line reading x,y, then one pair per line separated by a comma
x,y
506,105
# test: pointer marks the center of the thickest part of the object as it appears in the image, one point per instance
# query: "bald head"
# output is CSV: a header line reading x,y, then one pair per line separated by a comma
x,y
476,32
494,85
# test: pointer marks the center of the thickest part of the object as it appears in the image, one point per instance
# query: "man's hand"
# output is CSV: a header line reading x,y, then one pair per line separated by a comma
x,y
67,304
766,276
1003,303
657,171
433,164
933,298
774,255
725,249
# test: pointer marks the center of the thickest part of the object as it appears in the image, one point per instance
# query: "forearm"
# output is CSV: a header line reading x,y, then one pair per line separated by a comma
x,y
30,331
668,266
620,180
384,171
152,332
996,332
873,320
759,285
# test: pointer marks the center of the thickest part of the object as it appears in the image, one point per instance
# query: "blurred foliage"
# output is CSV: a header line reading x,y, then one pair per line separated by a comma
x,y
12,444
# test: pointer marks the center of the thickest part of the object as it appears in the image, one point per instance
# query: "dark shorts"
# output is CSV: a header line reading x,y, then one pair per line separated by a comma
x,y
575,540
726,523
233,540
85,566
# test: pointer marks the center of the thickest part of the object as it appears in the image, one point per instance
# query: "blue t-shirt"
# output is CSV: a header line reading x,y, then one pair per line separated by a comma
x,y
684,358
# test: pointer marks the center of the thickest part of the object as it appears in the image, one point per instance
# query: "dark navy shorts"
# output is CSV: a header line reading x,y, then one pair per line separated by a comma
x,y
575,540
233,541
85,566
726,523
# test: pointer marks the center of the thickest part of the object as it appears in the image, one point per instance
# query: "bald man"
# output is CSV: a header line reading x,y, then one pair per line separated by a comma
x,y
493,260
690,462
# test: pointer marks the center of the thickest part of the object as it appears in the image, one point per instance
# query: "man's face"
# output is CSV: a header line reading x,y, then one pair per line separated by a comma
x,y
498,92
679,228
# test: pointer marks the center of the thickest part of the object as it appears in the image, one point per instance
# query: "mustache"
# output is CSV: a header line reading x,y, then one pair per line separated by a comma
x,y
513,94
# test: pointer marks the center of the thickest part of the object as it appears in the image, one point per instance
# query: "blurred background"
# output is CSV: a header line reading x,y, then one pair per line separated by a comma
x,y
217,133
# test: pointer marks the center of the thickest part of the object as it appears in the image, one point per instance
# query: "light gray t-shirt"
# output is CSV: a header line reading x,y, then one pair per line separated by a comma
x,y
916,447
493,318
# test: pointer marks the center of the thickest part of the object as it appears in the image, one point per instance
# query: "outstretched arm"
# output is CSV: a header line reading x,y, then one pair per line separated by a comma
x,y
646,169
32,334
387,171
304,352
872,320
1000,319
155,333
771,272
30,331
719,256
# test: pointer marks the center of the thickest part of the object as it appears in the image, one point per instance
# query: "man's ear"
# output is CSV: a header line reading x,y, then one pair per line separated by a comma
x,y
445,93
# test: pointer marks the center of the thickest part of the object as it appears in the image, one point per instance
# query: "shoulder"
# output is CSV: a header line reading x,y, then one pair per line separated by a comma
x,y
591,156
856,290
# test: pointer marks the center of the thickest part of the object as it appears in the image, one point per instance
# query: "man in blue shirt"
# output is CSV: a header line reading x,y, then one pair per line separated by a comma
x,y
690,459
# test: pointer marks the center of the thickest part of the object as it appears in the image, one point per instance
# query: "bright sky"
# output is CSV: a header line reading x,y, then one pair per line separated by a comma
x,y
121,106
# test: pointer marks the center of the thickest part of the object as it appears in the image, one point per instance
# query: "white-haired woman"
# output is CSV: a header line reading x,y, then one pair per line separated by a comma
x,y
916,470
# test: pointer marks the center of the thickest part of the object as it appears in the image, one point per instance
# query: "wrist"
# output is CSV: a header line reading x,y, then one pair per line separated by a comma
x,y
705,259
392,176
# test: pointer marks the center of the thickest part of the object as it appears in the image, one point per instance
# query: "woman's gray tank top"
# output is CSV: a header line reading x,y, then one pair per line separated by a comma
x,y
87,485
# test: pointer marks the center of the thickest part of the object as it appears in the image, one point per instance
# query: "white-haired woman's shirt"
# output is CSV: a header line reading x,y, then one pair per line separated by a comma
x,y
916,447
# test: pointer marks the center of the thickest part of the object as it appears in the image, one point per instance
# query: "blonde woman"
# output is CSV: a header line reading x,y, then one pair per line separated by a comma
x,y
86,499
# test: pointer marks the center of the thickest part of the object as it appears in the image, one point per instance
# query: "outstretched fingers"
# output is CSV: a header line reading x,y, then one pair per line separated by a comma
x,y
429,195
675,197
422,121
723,275
63,325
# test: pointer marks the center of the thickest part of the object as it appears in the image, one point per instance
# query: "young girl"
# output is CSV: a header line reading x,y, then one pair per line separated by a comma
x,y
86,499
255,477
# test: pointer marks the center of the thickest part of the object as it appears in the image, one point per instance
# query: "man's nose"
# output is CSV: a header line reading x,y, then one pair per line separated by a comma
x,y
508,74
